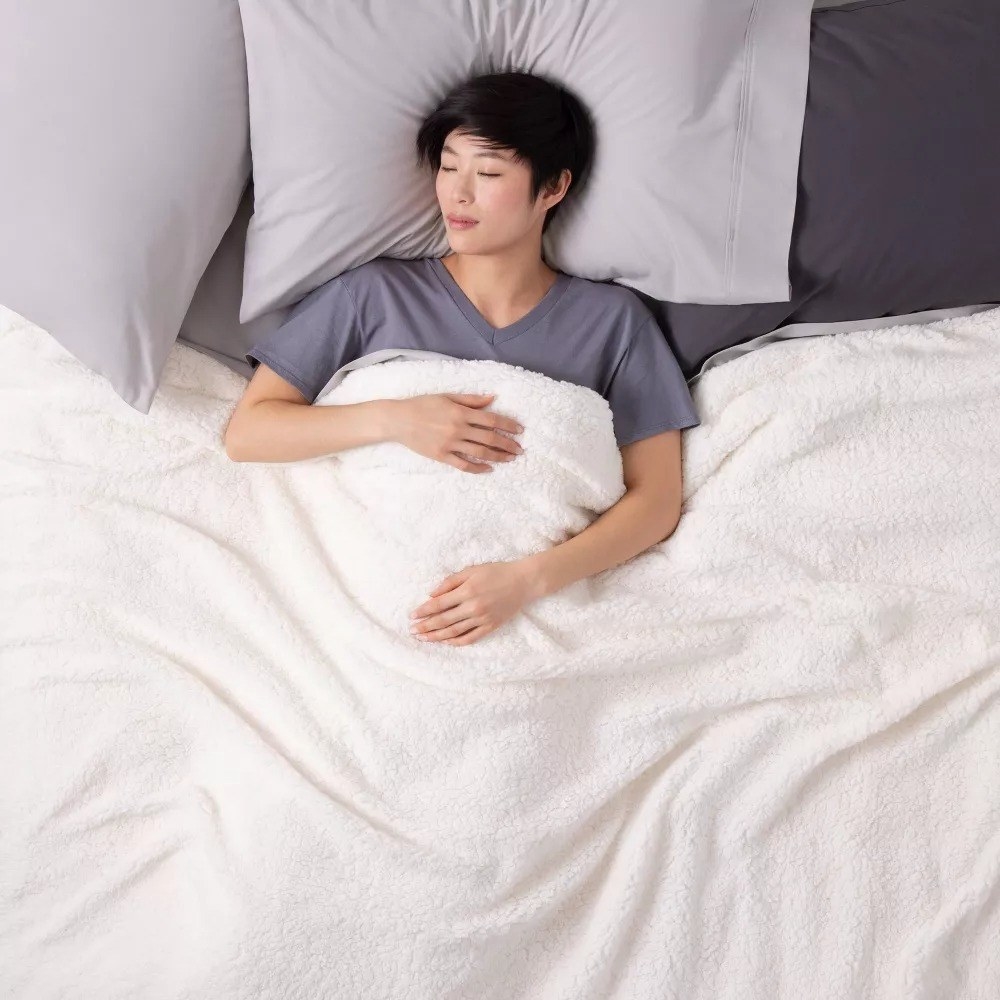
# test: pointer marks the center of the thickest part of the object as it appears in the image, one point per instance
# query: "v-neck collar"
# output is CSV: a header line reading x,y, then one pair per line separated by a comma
x,y
476,318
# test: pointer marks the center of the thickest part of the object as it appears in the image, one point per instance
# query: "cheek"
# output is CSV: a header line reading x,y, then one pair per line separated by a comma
x,y
505,199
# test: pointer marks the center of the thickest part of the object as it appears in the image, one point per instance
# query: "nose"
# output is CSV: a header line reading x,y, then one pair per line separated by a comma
x,y
460,188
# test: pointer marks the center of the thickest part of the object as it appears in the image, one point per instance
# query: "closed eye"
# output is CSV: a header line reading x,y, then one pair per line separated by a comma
x,y
481,174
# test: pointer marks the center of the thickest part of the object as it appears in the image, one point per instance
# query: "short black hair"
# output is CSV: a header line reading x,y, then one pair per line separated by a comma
x,y
540,120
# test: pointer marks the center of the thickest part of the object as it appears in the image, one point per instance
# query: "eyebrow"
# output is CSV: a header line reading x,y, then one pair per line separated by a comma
x,y
492,156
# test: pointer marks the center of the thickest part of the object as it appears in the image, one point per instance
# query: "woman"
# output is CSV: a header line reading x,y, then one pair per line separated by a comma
x,y
506,149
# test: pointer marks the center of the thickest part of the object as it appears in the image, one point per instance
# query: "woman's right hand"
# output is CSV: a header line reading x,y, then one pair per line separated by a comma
x,y
448,425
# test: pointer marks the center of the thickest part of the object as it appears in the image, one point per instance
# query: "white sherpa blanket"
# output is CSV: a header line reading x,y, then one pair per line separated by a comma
x,y
759,761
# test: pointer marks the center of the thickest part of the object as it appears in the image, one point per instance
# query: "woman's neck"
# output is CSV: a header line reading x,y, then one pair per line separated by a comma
x,y
502,289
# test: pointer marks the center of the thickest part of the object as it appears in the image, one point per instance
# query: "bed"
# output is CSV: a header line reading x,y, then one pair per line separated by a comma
x,y
757,761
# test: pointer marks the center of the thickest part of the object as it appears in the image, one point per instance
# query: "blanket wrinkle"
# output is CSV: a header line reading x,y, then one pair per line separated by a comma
x,y
761,748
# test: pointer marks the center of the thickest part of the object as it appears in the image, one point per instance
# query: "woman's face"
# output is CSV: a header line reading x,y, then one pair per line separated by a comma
x,y
494,190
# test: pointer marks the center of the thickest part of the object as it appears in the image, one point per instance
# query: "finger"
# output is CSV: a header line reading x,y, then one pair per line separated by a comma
x,y
476,468
506,423
469,637
472,398
496,421
450,632
485,453
494,442
448,583
437,604
441,620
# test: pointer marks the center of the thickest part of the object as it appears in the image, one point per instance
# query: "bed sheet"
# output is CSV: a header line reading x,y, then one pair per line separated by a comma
x,y
759,760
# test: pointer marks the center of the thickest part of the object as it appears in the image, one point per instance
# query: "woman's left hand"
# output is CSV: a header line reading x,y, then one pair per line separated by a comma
x,y
473,602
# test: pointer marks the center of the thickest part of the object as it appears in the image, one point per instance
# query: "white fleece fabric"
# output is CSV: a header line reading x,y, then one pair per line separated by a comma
x,y
760,760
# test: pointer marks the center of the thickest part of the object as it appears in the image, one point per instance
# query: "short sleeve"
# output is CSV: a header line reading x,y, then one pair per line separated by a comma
x,y
648,392
320,335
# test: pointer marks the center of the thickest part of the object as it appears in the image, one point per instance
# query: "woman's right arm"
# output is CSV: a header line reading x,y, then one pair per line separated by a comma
x,y
276,430
274,422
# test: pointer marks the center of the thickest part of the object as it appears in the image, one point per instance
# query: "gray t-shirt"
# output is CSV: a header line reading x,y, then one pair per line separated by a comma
x,y
586,332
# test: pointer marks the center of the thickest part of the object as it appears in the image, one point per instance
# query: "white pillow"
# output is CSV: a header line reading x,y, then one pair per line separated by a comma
x,y
697,104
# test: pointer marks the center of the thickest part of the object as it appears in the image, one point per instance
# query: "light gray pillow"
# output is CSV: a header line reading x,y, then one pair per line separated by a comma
x,y
125,136
697,104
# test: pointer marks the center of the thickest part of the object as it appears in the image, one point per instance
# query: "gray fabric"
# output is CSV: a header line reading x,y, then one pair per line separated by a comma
x,y
899,203
212,325
697,105
125,151
852,4
794,331
375,358
589,333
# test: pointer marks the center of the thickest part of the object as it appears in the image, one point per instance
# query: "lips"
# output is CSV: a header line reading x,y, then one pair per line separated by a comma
x,y
458,220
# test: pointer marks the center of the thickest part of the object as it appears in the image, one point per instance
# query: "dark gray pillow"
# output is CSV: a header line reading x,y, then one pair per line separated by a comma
x,y
898,206
212,325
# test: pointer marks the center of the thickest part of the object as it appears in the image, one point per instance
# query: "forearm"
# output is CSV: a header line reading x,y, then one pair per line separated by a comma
x,y
631,526
277,430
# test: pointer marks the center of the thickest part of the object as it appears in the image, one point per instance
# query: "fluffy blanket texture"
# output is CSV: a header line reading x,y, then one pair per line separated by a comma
x,y
758,761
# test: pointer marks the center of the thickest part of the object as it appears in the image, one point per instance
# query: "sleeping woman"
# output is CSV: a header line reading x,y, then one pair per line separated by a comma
x,y
505,149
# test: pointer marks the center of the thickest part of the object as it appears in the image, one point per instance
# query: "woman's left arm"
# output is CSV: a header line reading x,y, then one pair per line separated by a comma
x,y
478,599
647,514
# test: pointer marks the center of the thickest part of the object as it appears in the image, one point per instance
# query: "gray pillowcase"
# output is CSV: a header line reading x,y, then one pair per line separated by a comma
x,y
212,325
126,149
898,207
697,105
